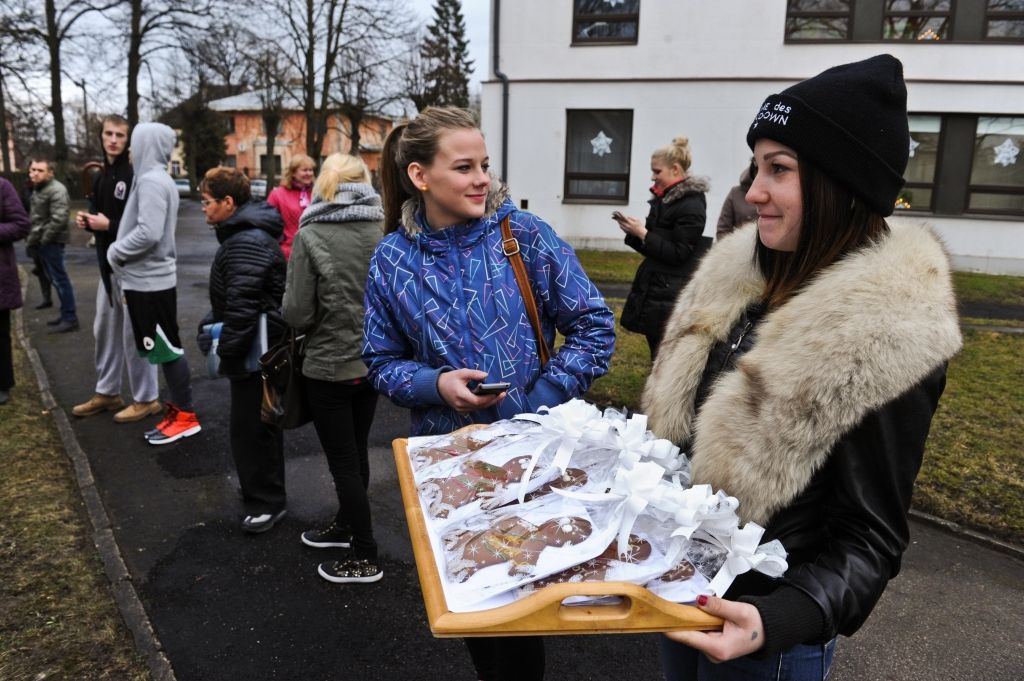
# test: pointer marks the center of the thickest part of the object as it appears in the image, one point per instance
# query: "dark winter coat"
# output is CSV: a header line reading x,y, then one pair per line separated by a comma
x,y
672,249
14,226
109,195
815,417
247,277
735,210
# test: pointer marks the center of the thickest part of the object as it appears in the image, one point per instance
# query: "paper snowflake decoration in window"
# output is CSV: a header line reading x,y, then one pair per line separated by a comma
x,y
913,147
1006,153
613,3
602,144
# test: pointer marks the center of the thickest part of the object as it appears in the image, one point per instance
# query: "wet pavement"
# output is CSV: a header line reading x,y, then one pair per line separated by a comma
x,y
225,606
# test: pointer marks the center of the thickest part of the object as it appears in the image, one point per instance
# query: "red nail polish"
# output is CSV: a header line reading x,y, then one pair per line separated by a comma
x,y
702,600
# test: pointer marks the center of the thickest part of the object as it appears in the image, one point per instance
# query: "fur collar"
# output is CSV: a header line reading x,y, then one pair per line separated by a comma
x,y
693,184
860,334
412,206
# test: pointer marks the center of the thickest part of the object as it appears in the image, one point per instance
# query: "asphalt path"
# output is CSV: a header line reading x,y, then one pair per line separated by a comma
x,y
228,606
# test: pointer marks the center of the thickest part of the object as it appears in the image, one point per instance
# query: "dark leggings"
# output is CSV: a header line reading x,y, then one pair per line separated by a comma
x,y
342,415
6,358
507,658
179,383
257,449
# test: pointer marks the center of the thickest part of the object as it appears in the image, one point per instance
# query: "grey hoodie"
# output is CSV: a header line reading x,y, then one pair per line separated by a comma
x,y
143,255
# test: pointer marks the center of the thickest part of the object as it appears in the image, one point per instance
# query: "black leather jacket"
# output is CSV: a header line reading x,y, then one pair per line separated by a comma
x,y
838,566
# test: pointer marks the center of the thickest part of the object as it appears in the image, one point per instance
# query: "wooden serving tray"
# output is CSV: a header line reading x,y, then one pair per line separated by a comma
x,y
542,612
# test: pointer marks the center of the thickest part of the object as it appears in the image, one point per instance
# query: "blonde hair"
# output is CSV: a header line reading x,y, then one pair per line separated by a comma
x,y
677,152
293,165
414,142
339,169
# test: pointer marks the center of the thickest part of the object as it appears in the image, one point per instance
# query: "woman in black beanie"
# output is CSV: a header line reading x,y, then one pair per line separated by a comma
x,y
800,371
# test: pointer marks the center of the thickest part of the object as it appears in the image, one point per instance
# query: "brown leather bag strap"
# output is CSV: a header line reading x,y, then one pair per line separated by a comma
x,y
510,247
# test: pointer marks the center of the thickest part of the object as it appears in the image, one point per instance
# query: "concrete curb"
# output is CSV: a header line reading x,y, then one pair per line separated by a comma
x,y
125,595
970,535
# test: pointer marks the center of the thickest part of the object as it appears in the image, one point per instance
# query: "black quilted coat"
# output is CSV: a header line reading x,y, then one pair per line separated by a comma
x,y
247,276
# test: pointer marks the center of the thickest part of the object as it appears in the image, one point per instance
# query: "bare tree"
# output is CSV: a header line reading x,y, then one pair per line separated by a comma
x,y
54,28
272,79
155,26
16,65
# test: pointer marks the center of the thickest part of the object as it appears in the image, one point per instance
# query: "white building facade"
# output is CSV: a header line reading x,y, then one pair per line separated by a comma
x,y
594,86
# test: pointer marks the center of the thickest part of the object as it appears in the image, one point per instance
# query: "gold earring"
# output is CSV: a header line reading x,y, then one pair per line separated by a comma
x,y
423,187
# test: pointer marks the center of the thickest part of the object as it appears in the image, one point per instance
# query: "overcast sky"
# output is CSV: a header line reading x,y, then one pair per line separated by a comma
x,y
477,14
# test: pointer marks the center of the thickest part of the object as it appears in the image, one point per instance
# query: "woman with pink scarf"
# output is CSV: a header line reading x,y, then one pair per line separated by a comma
x,y
291,197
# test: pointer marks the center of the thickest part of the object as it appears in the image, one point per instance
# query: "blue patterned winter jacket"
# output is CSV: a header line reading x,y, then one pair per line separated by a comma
x,y
446,299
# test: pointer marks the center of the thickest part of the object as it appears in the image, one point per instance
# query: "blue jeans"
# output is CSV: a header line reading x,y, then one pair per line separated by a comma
x,y
52,256
799,663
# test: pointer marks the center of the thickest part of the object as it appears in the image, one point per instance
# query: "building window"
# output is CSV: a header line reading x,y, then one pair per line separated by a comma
x,y
916,20
230,161
231,123
605,22
964,164
818,19
1004,20
175,168
912,21
597,151
924,155
997,170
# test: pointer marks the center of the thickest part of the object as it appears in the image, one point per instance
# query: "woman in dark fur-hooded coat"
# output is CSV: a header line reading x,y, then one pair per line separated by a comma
x,y
671,241
800,371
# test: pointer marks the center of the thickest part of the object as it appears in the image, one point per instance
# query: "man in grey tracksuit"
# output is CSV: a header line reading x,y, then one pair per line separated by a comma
x,y
144,260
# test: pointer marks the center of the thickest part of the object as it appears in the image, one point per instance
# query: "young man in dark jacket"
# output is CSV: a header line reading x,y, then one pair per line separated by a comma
x,y
115,345
49,235
246,280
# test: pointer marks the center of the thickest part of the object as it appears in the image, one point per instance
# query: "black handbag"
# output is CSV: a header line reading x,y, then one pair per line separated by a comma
x,y
284,401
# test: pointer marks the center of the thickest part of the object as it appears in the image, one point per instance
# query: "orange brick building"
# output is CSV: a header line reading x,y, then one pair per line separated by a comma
x,y
246,141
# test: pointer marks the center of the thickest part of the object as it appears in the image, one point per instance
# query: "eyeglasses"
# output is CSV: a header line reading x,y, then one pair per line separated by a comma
x,y
206,202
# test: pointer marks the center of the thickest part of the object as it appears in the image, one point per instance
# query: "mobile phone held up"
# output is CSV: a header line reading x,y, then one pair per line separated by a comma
x,y
491,388
616,215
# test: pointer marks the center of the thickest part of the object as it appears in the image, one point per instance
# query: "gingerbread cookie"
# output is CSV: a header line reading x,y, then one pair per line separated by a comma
x,y
595,569
572,478
511,540
452,446
475,480
680,572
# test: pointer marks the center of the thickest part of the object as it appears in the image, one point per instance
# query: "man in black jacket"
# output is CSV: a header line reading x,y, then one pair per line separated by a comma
x,y
115,344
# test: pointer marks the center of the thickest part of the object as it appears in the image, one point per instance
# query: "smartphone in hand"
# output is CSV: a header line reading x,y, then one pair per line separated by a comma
x,y
617,215
491,388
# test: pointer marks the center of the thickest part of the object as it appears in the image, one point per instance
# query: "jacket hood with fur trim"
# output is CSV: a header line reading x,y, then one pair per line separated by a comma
x,y
497,194
693,184
860,334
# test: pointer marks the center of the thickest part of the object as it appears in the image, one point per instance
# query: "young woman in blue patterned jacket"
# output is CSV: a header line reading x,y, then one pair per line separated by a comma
x,y
444,311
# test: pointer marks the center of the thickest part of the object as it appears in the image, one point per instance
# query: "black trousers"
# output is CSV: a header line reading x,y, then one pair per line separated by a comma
x,y
507,658
39,269
6,358
257,448
342,415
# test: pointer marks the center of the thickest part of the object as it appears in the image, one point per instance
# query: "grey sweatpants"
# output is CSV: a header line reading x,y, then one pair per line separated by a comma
x,y
115,349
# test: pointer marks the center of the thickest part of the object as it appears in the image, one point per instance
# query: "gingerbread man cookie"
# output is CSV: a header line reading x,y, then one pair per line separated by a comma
x,y
475,480
456,445
511,540
595,569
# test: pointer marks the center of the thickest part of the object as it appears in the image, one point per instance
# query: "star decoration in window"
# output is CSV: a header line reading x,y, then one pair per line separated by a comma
x,y
602,144
1006,153
913,147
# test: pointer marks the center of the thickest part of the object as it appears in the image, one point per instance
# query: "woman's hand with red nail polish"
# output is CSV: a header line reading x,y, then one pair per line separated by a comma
x,y
742,631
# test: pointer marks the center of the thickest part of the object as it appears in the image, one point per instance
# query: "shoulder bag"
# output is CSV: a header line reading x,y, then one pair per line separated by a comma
x,y
284,396
510,246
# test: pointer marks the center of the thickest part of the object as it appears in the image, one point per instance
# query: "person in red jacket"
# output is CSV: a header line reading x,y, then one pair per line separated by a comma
x,y
292,196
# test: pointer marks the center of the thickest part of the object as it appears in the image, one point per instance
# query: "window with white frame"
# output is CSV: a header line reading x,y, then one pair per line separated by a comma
x,y
597,150
997,170
600,22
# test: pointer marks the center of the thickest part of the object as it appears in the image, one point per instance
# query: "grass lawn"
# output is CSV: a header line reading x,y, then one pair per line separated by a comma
x,y
973,471
58,616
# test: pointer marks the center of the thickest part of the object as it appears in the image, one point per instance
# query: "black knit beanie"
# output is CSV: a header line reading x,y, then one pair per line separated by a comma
x,y
851,122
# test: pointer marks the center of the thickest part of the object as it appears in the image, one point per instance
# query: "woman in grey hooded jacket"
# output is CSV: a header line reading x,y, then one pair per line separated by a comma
x,y
324,299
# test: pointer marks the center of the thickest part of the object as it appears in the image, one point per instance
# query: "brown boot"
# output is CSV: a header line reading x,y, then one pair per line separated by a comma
x,y
98,403
136,411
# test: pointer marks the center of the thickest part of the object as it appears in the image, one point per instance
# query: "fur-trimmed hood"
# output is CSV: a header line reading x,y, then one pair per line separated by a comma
x,y
860,334
693,184
413,207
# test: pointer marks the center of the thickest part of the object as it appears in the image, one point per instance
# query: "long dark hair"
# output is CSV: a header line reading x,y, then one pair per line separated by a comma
x,y
835,222
414,142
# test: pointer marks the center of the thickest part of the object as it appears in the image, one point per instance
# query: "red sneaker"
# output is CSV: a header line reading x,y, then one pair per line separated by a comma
x,y
176,425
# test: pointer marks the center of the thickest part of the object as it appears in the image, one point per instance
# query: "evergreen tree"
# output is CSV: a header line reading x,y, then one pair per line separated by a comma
x,y
445,55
